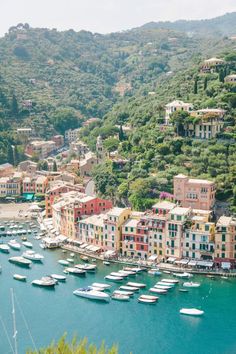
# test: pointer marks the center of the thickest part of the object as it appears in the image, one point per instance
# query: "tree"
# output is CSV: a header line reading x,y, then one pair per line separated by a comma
x,y
221,75
195,88
54,168
178,119
10,154
111,144
14,106
16,155
64,119
121,134
43,165
205,83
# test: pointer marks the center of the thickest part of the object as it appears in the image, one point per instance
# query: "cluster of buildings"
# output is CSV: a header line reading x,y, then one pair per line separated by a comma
x,y
170,230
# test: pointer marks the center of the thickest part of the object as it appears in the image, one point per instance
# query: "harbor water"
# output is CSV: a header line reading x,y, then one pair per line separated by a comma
x,y
138,328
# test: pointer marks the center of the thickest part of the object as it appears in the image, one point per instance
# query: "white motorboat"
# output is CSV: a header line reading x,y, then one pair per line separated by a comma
x,y
75,271
87,267
120,297
20,261
146,301
27,244
165,284
149,297
113,278
14,245
123,292
44,281
58,277
165,287
4,248
128,272
19,277
33,256
70,260
84,258
102,285
136,285
128,288
174,281
183,275
191,312
63,262
117,274
158,291
92,294
191,284
106,263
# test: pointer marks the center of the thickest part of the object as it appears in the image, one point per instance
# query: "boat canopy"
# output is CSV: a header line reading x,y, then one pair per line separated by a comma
x,y
171,259
192,263
153,257
183,261
225,265
205,264
84,245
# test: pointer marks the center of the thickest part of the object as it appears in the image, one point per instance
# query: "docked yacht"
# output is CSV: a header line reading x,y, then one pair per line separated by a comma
x,y
92,294
106,263
149,297
33,256
154,272
165,284
146,301
165,287
14,245
4,248
117,274
20,261
191,312
45,281
75,271
27,244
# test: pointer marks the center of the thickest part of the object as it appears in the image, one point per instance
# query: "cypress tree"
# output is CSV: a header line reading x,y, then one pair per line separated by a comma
x,y
195,88
10,154
205,83
121,133
54,168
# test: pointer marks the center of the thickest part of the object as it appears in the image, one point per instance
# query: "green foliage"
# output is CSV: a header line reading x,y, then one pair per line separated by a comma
x,y
111,144
64,119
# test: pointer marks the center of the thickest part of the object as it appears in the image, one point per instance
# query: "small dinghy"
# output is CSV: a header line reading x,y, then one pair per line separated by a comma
x,y
27,244
184,290
191,312
164,287
123,292
173,281
4,248
154,272
146,301
72,254
106,263
63,262
113,278
19,277
158,291
149,297
137,285
183,275
102,285
120,297
58,277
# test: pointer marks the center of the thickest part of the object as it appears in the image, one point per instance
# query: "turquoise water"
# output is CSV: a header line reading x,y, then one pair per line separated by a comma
x,y
137,328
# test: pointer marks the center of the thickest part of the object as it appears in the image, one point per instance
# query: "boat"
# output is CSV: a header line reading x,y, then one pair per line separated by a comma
x,y
149,297
4,248
70,260
224,277
113,278
58,277
154,272
19,277
171,285
123,292
184,290
191,285
84,258
87,267
120,297
183,275
127,272
23,238
45,281
97,288
75,271
20,261
27,244
33,256
146,301
174,281
92,294
128,288
42,245
117,274
211,276
63,262
164,287
106,263
72,254
158,291
136,285
37,237
94,260
102,285
14,245
166,272
191,312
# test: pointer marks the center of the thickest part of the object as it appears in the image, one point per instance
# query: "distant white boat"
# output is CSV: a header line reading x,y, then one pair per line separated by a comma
x,y
58,277
191,285
113,278
63,262
174,281
4,248
14,245
92,294
33,256
87,267
75,271
45,281
128,288
105,286
123,292
128,272
117,274
20,261
158,291
154,272
106,263
120,297
19,277
70,260
149,297
136,285
84,258
183,275
165,287
72,254
27,244
165,284
191,312
146,301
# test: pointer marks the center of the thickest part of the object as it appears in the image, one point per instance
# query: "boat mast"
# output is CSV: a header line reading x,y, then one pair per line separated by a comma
x,y
14,322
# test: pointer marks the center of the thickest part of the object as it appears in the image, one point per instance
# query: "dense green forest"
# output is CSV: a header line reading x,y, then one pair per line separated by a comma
x,y
52,81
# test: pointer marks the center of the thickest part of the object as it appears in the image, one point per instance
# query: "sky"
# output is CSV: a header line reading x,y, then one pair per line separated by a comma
x,y
105,16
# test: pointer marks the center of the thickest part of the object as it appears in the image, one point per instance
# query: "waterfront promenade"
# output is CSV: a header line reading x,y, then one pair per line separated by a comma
x,y
14,211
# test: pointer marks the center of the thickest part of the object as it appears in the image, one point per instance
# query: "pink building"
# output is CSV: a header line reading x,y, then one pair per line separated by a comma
x,y
194,193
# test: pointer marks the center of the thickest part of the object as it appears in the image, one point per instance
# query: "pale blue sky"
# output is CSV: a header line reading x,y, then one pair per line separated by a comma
x,y
105,15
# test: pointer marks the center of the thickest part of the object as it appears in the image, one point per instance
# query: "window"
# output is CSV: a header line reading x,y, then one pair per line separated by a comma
x,y
193,246
126,228
193,255
187,244
193,237
206,227
222,255
223,237
179,218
